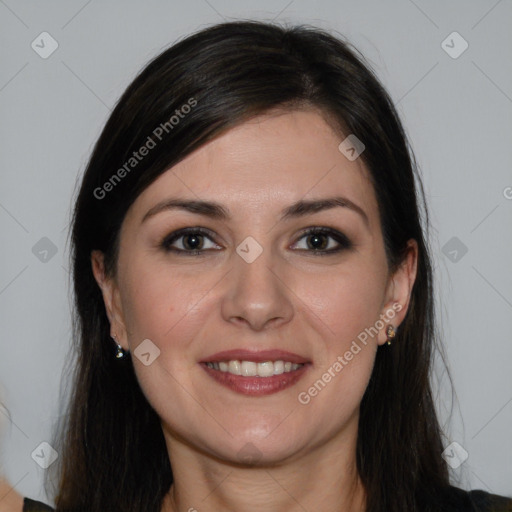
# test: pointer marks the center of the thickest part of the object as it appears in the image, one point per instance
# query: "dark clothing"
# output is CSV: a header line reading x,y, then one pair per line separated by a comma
x,y
472,501
484,502
35,506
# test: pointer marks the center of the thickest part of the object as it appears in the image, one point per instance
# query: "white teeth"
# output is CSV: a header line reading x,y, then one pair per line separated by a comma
x,y
253,369
234,367
249,369
266,369
278,367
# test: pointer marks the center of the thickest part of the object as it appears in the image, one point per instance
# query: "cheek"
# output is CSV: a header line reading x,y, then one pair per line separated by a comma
x,y
347,302
160,304
165,309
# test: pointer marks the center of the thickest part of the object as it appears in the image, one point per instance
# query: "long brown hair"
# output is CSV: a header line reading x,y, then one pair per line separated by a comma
x,y
112,451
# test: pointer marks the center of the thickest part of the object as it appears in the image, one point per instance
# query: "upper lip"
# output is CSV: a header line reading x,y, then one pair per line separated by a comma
x,y
259,356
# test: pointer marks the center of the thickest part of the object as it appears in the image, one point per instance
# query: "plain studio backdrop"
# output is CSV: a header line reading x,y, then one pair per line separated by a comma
x,y
447,66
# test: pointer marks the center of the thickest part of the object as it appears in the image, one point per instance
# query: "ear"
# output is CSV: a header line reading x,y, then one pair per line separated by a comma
x,y
398,291
111,298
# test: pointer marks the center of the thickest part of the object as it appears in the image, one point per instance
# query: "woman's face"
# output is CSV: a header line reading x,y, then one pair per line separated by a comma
x,y
256,282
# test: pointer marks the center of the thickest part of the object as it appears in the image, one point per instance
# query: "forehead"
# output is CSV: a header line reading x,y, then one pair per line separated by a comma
x,y
265,164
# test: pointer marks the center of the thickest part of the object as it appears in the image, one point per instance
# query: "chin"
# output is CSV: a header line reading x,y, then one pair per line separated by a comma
x,y
261,448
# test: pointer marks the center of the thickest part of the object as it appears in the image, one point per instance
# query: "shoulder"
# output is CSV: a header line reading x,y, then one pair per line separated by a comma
x,y
35,506
486,502
10,500
458,500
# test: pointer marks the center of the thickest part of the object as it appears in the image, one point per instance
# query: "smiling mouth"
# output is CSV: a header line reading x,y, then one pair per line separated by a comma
x,y
253,378
254,369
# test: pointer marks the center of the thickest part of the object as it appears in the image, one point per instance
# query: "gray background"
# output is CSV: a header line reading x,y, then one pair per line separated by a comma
x,y
457,112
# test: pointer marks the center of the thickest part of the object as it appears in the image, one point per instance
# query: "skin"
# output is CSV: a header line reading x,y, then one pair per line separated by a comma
x,y
191,307
10,500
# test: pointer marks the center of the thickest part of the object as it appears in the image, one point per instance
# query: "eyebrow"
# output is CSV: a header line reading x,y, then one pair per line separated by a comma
x,y
216,211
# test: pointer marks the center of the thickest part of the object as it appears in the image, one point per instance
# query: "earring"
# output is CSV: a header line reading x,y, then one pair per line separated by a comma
x,y
390,333
120,351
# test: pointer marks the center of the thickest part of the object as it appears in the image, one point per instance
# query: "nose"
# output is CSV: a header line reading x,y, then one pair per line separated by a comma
x,y
257,294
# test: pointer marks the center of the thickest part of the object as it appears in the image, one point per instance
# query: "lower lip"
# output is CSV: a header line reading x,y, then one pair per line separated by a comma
x,y
257,386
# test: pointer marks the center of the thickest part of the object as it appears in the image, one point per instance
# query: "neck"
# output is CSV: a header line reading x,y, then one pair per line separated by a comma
x,y
324,479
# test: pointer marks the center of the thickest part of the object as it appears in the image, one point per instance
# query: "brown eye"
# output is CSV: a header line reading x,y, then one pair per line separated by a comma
x,y
318,241
190,241
325,241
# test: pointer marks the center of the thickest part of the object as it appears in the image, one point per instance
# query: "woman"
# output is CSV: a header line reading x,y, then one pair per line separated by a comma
x,y
248,232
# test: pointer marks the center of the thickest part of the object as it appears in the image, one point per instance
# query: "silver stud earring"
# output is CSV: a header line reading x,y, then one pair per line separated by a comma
x,y
120,351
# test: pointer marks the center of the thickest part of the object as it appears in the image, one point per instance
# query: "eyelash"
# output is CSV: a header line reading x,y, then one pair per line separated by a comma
x,y
340,238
